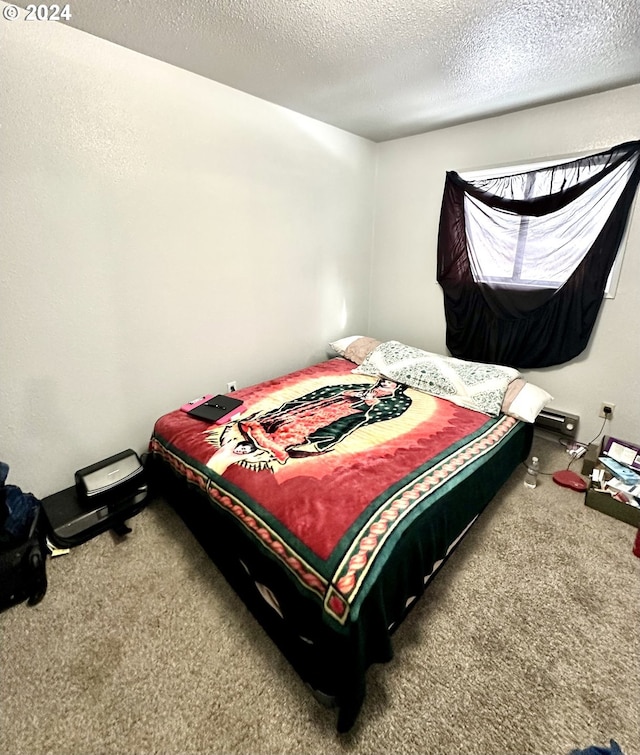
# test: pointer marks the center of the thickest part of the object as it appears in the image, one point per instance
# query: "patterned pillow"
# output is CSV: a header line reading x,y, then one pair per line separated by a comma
x,y
477,386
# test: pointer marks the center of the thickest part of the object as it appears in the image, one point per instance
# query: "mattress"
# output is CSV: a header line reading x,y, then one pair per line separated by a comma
x,y
329,502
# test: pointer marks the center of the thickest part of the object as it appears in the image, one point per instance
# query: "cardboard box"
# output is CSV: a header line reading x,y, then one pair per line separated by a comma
x,y
622,451
590,459
606,503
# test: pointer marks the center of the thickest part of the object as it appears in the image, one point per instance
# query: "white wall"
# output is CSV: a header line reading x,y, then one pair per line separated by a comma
x,y
406,301
161,234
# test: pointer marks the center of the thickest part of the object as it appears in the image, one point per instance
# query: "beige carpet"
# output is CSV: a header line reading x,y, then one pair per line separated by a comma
x,y
527,642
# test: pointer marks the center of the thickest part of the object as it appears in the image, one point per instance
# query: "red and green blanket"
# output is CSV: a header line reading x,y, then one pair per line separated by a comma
x,y
325,469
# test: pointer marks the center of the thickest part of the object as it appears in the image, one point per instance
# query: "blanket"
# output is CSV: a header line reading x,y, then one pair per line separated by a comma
x,y
327,471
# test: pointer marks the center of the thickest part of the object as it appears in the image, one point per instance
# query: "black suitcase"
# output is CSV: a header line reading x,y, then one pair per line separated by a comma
x,y
23,568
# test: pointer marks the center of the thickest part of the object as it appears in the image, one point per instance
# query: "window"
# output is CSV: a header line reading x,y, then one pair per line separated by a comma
x,y
525,255
516,255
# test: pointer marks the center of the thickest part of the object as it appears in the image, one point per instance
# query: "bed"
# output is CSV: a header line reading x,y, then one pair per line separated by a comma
x,y
330,501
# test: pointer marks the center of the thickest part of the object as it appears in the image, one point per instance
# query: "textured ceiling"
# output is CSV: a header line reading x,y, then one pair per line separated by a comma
x,y
385,68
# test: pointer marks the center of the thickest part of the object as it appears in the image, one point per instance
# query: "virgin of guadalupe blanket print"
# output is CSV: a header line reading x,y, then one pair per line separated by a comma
x,y
326,470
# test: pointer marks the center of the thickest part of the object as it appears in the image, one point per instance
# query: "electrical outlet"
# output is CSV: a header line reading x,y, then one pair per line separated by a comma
x,y
231,386
606,410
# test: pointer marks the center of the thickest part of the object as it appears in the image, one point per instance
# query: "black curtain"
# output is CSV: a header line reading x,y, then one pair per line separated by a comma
x,y
540,325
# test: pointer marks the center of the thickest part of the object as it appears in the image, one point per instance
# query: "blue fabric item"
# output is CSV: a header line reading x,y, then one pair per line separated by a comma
x,y
19,509
613,749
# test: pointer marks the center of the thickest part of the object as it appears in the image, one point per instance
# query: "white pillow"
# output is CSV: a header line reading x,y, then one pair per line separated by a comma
x,y
529,402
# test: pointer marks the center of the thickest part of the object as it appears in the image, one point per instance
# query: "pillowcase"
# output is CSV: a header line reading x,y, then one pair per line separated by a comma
x,y
513,389
524,400
340,346
355,348
360,349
